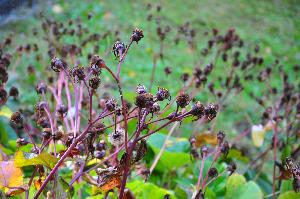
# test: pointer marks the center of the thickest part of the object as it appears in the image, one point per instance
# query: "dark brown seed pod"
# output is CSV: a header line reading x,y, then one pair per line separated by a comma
x,y
225,148
96,64
78,73
94,82
231,167
62,110
220,137
212,172
155,108
198,109
3,96
14,92
183,100
3,75
145,100
141,89
111,104
21,142
204,151
41,88
168,70
162,94
16,120
137,35
119,49
57,65
211,111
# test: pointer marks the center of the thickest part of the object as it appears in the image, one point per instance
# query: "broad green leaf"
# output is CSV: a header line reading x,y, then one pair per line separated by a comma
x,y
5,112
287,185
289,195
238,188
175,155
143,190
27,159
236,154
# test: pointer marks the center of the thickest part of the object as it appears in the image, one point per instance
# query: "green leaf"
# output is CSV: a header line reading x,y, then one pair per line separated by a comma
x,y
238,188
175,154
289,195
27,159
5,112
236,154
141,190
287,185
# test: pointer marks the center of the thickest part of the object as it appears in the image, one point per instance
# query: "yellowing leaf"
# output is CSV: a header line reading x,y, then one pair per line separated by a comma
x,y
10,176
6,112
206,138
112,182
258,135
27,159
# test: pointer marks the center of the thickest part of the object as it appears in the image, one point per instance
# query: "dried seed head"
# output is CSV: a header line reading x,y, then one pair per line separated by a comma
x,y
41,88
225,148
211,111
3,96
3,75
208,68
100,154
57,65
168,70
46,133
78,73
43,122
204,151
231,167
14,92
117,137
137,35
155,108
96,64
145,100
111,105
16,120
94,82
101,145
185,77
21,142
62,110
212,172
198,109
162,94
141,89
183,100
220,137
119,49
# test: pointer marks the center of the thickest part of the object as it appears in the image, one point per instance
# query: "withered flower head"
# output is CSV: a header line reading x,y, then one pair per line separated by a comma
x,y
155,108
162,94
3,96
96,64
225,148
198,109
141,89
183,100
212,172
137,35
21,142
211,111
117,137
220,137
204,151
16,120
94,82
3,75
99,154
14,92
41,88
119,49
231,167
111,104
101,145
62,110
168,70
57,64
78,73
145,100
